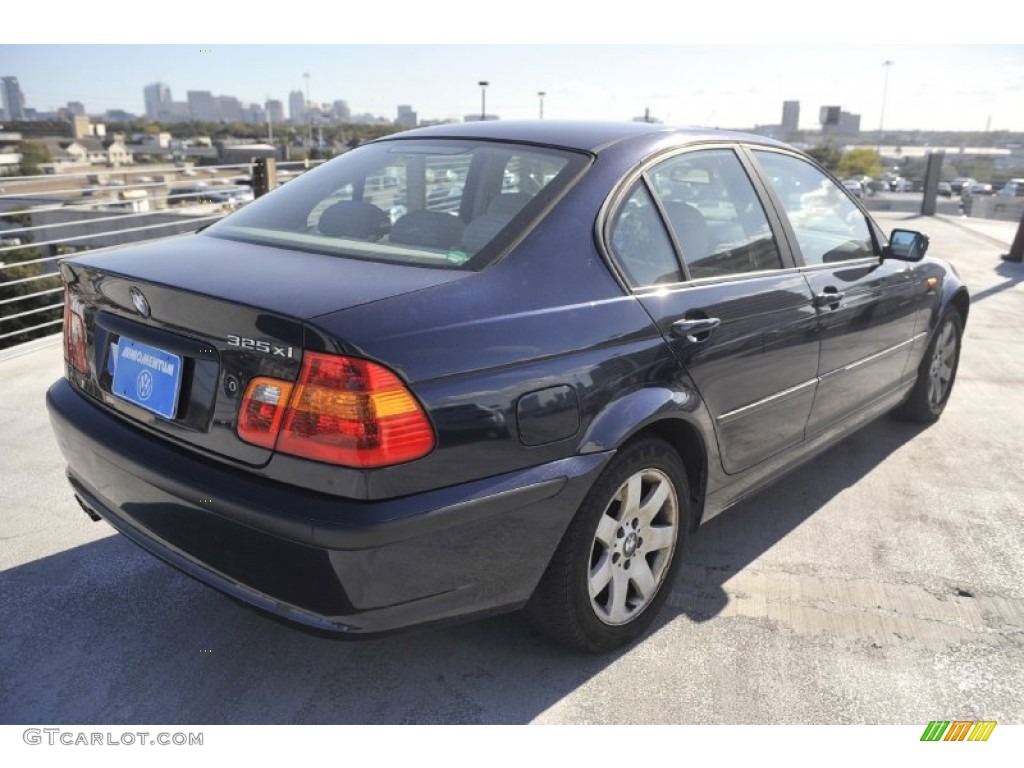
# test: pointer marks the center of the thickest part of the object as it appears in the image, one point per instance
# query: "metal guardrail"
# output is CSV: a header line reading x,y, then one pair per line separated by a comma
x,y
46,218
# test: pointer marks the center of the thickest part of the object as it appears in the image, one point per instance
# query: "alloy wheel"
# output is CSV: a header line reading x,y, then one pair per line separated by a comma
x,y
633,546
943,364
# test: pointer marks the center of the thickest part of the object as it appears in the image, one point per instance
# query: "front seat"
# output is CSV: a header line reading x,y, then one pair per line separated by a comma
x,y
500,212
354,218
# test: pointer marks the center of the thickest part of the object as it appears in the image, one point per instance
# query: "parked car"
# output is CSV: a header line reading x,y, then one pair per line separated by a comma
x,y
969,193
232,196
960,183
530,402
856,188
1012,188
188,194
945,189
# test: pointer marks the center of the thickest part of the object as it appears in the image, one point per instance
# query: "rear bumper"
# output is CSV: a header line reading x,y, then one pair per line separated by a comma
x,y
351,567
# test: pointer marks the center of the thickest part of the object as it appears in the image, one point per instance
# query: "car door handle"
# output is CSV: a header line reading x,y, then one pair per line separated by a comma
x,y
695,329
828,298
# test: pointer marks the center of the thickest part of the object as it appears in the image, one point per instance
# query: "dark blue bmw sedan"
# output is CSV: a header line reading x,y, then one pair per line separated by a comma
x,y
476,368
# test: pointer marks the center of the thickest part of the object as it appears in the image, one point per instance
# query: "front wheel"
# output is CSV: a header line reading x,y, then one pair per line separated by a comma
x,y
612,570
937,373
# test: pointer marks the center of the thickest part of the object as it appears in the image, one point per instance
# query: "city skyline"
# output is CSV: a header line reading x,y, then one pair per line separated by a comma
x,y
967,88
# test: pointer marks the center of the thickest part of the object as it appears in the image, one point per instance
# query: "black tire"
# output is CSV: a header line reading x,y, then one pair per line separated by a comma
x,y
936,374
602,539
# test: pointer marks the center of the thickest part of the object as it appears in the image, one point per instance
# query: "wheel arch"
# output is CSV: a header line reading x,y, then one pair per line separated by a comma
x,y
672,415
688,442
960,301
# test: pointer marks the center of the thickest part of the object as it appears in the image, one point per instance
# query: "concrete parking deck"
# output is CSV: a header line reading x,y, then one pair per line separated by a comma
x,y
883,583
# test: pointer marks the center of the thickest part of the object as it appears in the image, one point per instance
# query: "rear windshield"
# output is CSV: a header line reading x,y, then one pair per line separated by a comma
x,y
441,203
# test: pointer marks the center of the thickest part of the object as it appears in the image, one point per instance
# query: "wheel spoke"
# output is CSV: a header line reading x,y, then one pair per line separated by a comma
x,y
933,390
945,372
947,336
630,495
654,502
641,576
606,530
658,537
600,575
618,590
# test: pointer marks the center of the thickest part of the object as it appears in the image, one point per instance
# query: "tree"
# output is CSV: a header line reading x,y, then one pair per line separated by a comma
x,y
32,154
827,155
12,287
860,161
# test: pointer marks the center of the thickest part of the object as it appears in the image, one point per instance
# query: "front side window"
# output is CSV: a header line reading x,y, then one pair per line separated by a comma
x,y
441,203
715,214
828,226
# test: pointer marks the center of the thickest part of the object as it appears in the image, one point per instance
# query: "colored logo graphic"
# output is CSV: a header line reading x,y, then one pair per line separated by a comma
x,y
144,385
958,730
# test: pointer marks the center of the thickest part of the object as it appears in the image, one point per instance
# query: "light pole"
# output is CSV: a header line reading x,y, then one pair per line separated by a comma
x,y
309,110
483,99
541,95
885,92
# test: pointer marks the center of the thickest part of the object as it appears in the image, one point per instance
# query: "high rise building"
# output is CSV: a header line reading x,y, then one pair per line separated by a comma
x,y
229,109
158,99
297,107
13,98
202,106
254,114
275,110
76,108
341,110
406,117
835,121
790,119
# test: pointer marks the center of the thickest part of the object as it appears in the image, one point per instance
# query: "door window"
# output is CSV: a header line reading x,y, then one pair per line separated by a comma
x,y
714,214
828,226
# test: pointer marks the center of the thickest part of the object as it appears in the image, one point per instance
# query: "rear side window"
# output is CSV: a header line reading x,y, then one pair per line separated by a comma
x,y
828,226
442,203
641,244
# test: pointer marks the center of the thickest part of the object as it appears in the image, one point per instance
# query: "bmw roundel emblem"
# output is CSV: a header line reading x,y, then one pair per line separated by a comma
x,y
140,302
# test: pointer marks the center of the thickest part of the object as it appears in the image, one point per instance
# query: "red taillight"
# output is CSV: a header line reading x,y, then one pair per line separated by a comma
x,y
74,332
342,411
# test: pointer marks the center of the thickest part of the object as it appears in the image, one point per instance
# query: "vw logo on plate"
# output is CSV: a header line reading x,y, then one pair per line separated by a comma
x,y
140,302
144,385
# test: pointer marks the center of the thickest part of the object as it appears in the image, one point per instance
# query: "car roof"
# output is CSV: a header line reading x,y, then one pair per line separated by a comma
x,y
589,136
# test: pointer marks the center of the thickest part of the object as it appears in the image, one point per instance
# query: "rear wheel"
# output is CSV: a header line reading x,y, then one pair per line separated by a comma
x,y
612,571
937,373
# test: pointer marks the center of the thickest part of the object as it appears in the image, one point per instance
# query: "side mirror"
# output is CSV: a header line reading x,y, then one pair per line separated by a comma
x,y
906,245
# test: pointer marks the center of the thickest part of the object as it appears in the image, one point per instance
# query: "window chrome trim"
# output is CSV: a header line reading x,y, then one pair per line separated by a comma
x,y
647,290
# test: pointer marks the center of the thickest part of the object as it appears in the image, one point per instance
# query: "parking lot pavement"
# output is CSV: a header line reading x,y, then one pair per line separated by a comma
x,y
882,583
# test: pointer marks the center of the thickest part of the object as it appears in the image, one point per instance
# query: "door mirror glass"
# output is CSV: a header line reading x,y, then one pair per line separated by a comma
x,y
906,245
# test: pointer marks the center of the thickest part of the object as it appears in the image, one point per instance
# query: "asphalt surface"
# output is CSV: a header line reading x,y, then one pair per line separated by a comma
x,y
883,583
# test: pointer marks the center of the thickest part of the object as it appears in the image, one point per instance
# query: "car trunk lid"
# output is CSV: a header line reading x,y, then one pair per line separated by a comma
x,y
177,329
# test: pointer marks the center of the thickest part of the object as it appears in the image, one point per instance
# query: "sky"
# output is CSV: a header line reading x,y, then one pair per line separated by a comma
x,y
728,84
